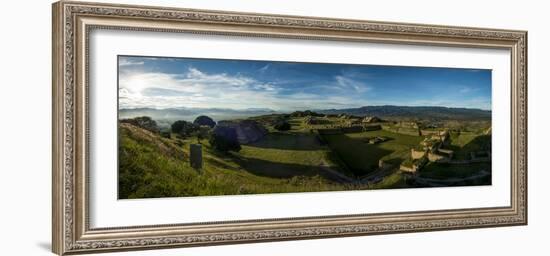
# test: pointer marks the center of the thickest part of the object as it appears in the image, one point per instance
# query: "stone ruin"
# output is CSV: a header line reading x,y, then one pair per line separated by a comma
x,y
311,120
407,128
405,124
248,131
371,119
376,140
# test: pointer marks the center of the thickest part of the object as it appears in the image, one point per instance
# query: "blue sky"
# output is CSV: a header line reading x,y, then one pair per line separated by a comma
x,y
287,86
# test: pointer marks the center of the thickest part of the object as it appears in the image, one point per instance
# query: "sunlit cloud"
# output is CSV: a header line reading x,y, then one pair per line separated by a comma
x,y
195,88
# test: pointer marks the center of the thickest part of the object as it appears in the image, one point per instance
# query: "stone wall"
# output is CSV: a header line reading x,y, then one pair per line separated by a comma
x,y
371,119
433,157
417,154
330,131
407,130
429,132
352,129
372,127
411,169
446,151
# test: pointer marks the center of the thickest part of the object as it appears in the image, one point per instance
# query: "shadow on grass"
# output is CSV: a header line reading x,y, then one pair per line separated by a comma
x,y
453,171
360,158
272,169
393,161
479,143
288,141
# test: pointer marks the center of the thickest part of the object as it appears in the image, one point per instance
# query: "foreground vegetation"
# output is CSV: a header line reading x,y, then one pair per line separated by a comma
x,y
152,166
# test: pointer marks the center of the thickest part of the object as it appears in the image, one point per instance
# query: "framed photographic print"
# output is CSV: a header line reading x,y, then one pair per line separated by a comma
x,y
179,127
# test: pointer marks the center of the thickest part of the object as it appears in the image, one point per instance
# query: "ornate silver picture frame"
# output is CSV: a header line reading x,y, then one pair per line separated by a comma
x,y
72,24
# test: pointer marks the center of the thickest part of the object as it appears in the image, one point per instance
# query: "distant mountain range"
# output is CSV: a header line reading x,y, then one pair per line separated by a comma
x,y
190,114
388,111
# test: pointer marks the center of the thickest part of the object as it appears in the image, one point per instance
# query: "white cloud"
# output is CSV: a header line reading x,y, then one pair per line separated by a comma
x,y
348,83
123,62
195,88
466,89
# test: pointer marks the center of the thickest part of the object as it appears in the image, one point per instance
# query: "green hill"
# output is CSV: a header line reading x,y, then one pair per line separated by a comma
x,y
152,166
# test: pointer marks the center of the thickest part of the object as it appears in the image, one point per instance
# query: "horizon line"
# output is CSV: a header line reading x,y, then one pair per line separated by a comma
x,y
311,109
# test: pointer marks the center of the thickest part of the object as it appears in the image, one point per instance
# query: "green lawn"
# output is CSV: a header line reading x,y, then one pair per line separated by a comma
x,y
362,158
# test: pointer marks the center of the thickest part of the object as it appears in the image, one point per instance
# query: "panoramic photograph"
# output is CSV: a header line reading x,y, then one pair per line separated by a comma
x,y
210,127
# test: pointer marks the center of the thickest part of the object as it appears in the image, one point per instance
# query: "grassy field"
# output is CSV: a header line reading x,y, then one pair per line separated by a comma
x,y
362,158
151,166
291,161
285,155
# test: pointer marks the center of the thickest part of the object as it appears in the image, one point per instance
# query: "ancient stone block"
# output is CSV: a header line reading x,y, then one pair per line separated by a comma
x,y
196,156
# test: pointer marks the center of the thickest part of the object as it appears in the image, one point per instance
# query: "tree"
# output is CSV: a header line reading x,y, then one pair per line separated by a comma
x,y
282,126
144,122
204,120
183,128
225,139
202,133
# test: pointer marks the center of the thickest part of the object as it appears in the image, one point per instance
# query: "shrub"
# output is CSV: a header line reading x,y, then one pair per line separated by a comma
x,y
202,133
204,120
184,128
282,126
144,122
